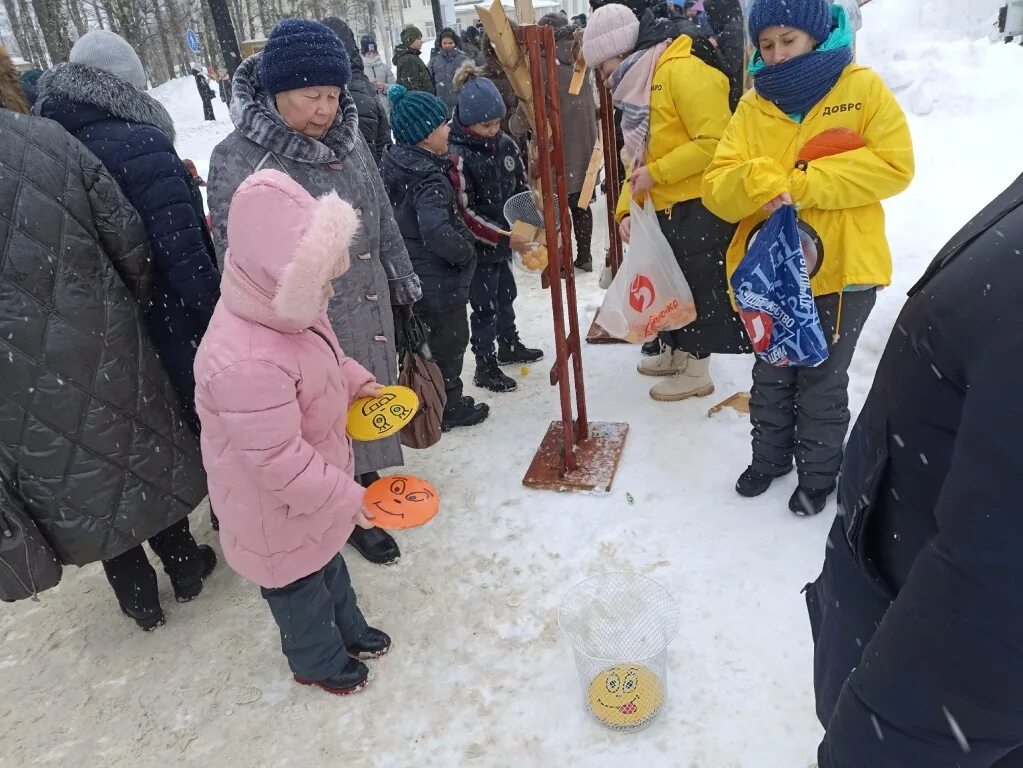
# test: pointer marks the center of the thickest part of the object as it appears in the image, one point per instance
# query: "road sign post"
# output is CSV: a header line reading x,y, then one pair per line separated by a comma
x,y
193,40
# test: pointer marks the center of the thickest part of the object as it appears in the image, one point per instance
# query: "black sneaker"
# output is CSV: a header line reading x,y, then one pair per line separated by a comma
x,y
375,544
465,413
148,621
372,645
810,501
752,483
515,353
354,677
186,590
651,348
489,376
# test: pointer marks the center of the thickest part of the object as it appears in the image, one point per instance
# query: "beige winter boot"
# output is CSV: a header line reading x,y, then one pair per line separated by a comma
x,y
668,363
692,381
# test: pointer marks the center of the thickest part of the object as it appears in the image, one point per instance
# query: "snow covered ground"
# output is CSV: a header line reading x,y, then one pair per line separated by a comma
x,y
480,674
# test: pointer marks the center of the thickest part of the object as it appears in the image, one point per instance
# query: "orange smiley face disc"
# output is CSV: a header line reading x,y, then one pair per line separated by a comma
x,y
401,501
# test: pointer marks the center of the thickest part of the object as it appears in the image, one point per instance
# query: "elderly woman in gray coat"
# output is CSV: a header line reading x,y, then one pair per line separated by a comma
x,y
292,113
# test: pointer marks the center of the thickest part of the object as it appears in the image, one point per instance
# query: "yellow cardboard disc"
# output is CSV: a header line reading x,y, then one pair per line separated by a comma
x,y
374,418
626,695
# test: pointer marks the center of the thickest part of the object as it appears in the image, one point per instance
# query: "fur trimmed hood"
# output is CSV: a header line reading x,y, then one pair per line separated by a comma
x,y
110,94
256,118
287,248
11,95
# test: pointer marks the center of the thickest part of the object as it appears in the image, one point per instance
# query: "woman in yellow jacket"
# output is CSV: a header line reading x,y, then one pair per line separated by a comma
x,y
675,109
825,135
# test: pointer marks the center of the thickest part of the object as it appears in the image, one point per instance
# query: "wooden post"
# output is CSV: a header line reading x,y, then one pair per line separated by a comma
x,y
524,12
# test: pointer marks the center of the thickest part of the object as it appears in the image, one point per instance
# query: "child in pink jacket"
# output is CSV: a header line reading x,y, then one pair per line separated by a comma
x,y
273,388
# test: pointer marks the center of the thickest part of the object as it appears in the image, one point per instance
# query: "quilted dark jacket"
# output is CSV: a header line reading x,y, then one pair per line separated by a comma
x,y
133,136
91,435
426,209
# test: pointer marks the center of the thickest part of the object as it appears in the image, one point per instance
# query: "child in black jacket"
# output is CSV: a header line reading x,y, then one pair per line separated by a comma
x,y
488,171
416,174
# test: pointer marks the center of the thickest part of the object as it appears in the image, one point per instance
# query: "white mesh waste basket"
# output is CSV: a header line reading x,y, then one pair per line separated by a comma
x,y
620,625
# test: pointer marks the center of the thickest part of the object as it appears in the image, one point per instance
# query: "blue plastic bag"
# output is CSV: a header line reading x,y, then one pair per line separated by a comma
x,y
772,289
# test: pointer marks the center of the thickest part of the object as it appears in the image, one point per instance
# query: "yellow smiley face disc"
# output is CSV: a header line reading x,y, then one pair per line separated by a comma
x,y
374,418
625,695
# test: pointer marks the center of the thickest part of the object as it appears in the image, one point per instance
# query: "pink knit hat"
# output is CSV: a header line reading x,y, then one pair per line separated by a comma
x,y
613,30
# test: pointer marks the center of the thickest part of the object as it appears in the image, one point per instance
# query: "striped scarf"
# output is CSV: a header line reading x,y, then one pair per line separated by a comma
x,y
631,84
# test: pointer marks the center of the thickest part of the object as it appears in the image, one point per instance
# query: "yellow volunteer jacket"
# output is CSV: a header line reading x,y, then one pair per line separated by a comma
x,y
688,115
838,196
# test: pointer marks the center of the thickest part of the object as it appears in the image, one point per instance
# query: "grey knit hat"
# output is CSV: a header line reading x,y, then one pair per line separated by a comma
x,y
101,49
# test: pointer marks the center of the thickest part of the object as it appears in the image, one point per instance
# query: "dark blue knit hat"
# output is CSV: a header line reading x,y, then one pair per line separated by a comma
x,y
479,101
415,114
811,16
303,54
365,42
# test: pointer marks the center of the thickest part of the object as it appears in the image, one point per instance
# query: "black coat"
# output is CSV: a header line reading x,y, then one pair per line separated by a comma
x,y
91,435
373,122
425,206
726,19
918,614
491,171
132,135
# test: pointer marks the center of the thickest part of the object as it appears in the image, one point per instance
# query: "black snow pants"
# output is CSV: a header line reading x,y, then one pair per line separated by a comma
x,y
804,412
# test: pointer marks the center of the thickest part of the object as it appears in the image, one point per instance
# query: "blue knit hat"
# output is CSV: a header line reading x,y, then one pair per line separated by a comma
x,y
811,16
479,101
303,54
415,114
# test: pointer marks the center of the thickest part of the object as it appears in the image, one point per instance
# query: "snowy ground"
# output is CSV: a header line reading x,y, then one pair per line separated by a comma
x,y
480,675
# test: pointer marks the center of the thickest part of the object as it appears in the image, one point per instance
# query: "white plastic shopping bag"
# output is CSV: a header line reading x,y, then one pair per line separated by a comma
x,y
649,294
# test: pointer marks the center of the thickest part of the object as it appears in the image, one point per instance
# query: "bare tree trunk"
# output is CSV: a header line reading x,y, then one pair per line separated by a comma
x,y
34,50
162,32
77,17
16,27
51,21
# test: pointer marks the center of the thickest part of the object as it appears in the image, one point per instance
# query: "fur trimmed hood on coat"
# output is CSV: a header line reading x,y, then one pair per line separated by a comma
x,y
255,116
287,248
76,82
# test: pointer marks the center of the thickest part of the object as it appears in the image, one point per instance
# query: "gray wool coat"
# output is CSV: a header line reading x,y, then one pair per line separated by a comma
x,y
381,273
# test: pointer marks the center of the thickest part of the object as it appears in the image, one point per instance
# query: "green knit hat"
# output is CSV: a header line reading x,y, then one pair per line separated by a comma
x,y
415,114
410,34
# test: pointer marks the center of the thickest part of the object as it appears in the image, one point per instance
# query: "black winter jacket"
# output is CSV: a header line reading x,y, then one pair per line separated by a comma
x,y
412,70
426,209
918,614
133,136
487,173
373,122
91,435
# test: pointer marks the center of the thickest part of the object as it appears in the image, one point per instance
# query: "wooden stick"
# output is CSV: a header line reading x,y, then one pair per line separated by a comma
x,y
578,75
592,172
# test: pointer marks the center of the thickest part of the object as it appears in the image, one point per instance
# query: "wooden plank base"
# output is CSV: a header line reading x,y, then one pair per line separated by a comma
x,y
597,459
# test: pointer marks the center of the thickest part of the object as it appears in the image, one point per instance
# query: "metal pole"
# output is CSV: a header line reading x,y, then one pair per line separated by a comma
x,y
225,34
438,17
533,36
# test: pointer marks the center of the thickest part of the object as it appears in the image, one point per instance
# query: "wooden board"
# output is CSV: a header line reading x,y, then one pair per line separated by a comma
x,y
592,173
597,460
524,12
509,53
737,402
578,75
597,335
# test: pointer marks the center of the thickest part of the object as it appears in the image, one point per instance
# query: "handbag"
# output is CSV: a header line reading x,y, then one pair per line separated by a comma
x,y
420,374
28,564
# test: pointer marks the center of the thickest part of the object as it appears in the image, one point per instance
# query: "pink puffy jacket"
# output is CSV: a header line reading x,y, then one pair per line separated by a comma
x,y
273,387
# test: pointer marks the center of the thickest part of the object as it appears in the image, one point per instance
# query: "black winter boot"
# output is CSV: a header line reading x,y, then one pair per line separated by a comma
x,y
186,590
489,376
584,262
810,501
651,348
752,483
516,353
354,677
465,413
372,645
375,544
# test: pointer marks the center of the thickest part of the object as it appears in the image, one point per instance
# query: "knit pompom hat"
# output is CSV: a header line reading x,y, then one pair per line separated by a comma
x,y
410,34
415,114
303,54
367,44
613,30
811,16
109,52
479,101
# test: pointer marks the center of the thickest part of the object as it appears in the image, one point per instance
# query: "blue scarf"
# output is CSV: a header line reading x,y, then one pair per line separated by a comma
x,y
798,84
